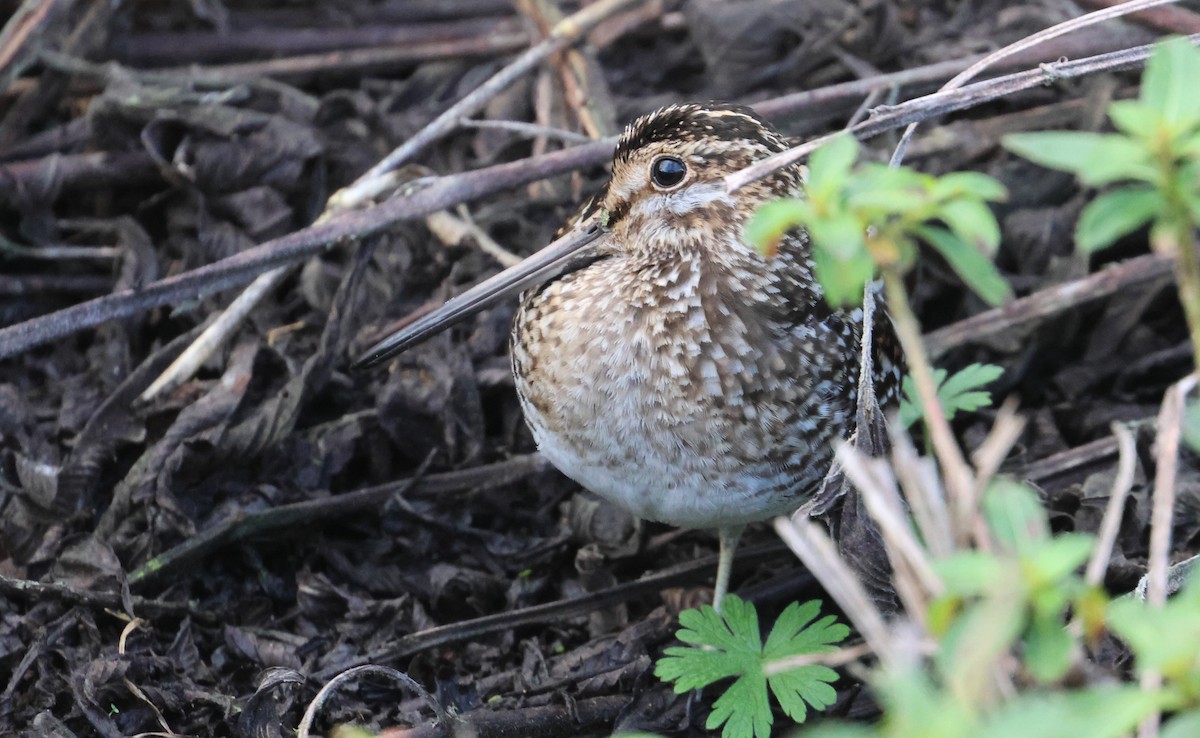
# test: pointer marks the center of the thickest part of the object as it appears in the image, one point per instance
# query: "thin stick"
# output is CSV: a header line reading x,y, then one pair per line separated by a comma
x,y
1110,525
923,490
564,34
874,480
378,180
1170,420
840,657
1061,29
817,552
1134,273
889,117
456,188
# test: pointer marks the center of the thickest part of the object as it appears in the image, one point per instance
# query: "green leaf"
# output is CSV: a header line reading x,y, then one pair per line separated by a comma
x,y
1169,83
959,392
1167,638
1050,561
1182,725
973,222
969,573
1096,158
1099,712
1115,214
793,635
1191,425
982,635
743,709
773,220
1015,515
798,688
841,235
843,281
1115,158
1135,118
1048,649
957,184
1068,151
969,262
728,645
829,166
885,190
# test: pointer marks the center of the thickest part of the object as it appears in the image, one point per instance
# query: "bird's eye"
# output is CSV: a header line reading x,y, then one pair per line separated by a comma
x,y
667,171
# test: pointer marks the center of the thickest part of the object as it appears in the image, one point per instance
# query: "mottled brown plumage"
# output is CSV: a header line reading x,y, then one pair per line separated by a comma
x,y
664,363
680,373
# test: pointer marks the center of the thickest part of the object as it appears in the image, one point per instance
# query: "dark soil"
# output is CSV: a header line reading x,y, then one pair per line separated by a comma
x,y
204,562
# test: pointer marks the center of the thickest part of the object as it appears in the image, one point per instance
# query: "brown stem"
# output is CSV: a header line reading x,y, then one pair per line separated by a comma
x,y
959,479
1187,270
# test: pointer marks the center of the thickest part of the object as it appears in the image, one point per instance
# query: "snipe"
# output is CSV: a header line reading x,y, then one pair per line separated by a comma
x,y
661,361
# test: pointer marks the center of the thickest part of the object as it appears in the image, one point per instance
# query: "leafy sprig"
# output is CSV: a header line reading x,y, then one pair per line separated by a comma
x,y
962,391
728,644
870,216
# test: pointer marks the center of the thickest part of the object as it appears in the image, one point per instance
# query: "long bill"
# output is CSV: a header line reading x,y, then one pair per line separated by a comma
x,y
577,245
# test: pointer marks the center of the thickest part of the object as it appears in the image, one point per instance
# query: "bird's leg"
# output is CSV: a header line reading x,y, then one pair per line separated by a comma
x,y
728,537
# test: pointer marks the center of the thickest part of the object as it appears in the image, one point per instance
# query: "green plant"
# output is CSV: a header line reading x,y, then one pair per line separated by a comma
x,y
1156,150
728,644
1001,620
870,218
961,391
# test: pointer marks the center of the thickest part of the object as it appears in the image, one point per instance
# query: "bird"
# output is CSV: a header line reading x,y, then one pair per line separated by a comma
x,y
661,360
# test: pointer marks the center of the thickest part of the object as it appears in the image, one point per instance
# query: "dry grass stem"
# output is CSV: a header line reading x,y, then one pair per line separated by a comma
x,y
922,488
840,657
999,442
1110,525
1170,421
816,551
874,480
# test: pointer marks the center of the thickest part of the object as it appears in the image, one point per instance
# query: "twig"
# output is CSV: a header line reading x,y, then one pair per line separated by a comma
x,y
1167,20
468,630
248,264
77,171
1170,420
873,479
575,717
444,718
889,117
456,188
36,284
172,562
840,657
565,33
27,22
1131,274
179,48
1110,525
1061,29
529,130
379,180
923,490
994,450
960,481
296,69
38,591
817,552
